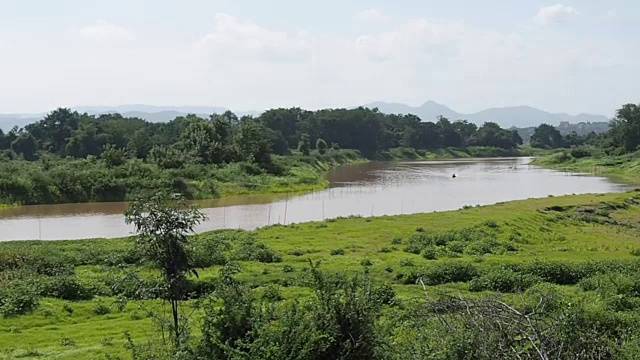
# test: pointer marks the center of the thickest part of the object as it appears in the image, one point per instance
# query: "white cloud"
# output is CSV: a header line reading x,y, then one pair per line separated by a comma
x,y
106,32
244,41
372,15
554,14
245,65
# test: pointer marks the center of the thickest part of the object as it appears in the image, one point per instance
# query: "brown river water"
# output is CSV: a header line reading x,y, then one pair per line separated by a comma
x,y
377,188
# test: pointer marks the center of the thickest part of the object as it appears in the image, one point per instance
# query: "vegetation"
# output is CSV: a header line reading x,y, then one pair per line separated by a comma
x,y
612,153
553,278
72,157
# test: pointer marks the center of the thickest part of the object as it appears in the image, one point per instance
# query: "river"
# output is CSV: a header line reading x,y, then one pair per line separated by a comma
x,y
371,189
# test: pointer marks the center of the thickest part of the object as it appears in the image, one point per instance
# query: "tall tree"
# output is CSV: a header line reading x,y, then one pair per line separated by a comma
x,y
626,126
546,136
162,225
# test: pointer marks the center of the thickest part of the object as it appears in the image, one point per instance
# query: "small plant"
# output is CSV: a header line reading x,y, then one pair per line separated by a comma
x,y
478,259
386,250
67,341
420,229
272,293
15,330
296,252
99,308
288,269
337,252
396,241
265,271
106,342
491,224
430,253
635,252
67,308
388,269
406,262
47,313
135,315
366,262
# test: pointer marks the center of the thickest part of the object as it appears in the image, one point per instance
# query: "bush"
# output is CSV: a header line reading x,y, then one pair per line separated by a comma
x,y
386,250
396,241
288,269
406,262
251,250
99,308
430,253
456,247
337,252
443,273
18,299
503,280
272,293
366,262
65,288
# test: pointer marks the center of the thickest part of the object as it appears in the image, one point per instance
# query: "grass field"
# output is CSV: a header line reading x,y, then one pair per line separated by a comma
x,y
623,167
595,234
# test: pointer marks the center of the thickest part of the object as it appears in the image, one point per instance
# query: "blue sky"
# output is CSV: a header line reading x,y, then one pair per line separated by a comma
x,y
573,56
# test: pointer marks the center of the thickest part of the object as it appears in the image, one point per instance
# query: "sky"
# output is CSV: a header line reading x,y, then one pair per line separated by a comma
x,y
577,56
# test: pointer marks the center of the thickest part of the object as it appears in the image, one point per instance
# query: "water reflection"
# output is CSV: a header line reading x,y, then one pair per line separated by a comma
x,y
377,188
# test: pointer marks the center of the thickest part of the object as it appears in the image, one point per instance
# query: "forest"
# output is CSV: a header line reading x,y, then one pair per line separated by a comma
x,y
73,157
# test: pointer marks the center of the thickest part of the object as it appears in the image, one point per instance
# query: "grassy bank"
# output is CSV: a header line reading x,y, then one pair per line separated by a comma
x,y
455,153
54,180
570,245
623,167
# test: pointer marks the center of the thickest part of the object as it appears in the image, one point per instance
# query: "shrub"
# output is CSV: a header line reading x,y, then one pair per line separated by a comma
x,y
430,253
366,262
288,269
18,299
337,252
456,247
635,252
406,263
503,280
251,250
386,250
99,308
65,288
67,308
388,269
67,341
272,293
296,252
396,241
455,271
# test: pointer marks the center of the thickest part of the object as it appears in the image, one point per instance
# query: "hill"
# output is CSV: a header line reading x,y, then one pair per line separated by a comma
x,y
513,116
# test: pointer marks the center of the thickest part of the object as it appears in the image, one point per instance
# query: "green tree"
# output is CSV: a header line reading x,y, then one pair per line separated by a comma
x,y
626,126
322,146
304,145
546,136
26,145
162,225
112,155
251,142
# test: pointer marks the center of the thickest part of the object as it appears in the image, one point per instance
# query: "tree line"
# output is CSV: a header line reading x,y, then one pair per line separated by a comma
x,y
622,137
225,138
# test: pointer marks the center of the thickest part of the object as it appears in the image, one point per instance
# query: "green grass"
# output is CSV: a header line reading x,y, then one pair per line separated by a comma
x,y
622,167
569,229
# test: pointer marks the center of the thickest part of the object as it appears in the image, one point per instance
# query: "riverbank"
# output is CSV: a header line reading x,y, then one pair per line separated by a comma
x,y
625,168
55,180
456,153
565,245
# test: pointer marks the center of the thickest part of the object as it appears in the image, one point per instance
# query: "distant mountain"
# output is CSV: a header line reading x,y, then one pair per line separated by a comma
x,y
147,112
514,116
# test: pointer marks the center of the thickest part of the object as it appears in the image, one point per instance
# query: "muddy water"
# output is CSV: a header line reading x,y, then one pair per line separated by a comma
x,y
378,188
